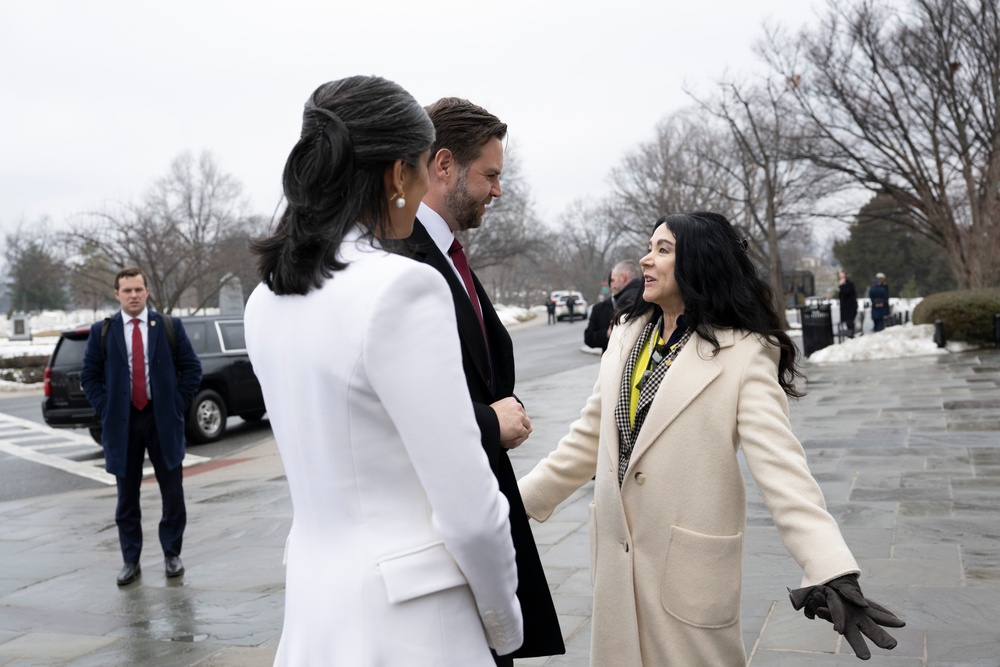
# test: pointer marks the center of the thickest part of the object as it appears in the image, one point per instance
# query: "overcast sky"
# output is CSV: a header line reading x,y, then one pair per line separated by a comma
x,y
98,97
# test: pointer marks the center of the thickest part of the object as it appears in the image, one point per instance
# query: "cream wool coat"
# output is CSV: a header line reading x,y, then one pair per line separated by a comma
x,y
400,550
667,548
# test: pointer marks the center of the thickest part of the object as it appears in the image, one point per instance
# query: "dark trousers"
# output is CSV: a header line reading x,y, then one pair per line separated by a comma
x,y
142,438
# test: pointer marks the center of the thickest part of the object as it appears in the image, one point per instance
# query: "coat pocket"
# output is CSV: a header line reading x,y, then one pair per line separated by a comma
x,y
426,569
703,577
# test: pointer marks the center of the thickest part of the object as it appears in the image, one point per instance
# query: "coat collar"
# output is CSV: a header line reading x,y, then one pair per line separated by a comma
x,y
691,373
424,249
117,332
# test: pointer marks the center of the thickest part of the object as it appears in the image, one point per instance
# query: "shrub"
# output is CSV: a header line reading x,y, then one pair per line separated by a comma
x,y
26,369
966,314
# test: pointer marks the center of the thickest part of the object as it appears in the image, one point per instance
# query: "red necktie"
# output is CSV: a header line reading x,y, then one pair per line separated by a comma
x,y
462,264
139,399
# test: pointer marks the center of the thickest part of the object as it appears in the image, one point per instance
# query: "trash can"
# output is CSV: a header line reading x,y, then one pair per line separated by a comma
x,y
817,327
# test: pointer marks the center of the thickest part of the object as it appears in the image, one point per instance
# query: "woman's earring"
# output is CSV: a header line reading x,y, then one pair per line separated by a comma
x,y
400,201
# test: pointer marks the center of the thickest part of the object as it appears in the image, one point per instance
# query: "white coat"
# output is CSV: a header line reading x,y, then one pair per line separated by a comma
x,y
667,547
400,550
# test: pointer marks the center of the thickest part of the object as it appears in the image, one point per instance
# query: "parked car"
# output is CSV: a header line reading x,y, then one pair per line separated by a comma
x,y
228,384
579,306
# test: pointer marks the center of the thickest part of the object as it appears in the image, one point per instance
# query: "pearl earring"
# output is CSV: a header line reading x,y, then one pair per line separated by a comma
x,y
400,202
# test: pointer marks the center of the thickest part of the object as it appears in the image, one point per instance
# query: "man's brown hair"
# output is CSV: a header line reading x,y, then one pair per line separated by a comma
x,y
129,272
463,128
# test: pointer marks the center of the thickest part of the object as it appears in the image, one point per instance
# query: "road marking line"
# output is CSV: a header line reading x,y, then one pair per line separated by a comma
x,y
25,437
41,447
92,469
42,428
59,463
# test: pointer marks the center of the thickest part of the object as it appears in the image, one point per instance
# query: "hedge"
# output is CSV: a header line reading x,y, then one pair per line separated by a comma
x,y
967,315
26,369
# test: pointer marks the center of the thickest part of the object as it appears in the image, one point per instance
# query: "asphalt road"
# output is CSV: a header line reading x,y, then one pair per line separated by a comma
x,y
539,349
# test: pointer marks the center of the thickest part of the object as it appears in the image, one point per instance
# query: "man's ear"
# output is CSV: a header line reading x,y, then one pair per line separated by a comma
x,y
443,165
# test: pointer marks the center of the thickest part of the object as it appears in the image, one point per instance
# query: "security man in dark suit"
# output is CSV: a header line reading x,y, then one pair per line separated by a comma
x,y
141,385
464,173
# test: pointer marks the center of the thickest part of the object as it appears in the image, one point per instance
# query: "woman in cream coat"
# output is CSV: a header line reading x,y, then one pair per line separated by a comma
x,y
713,371
400,550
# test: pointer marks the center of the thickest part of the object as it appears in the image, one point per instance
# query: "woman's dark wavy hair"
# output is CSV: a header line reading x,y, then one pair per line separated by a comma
x,y
720,287
352,129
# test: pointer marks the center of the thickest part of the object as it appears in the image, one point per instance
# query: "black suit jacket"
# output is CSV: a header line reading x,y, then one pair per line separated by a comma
x,y
603,312
541,626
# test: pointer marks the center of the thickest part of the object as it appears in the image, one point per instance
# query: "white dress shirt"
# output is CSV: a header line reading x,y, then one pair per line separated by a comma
x,y
441,234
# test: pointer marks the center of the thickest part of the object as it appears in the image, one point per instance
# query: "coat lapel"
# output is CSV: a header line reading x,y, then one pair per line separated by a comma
x,y
693,370
469,332
117,333
155,322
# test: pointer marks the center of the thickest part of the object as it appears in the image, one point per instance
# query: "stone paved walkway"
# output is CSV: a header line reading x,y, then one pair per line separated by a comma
x,y
907,452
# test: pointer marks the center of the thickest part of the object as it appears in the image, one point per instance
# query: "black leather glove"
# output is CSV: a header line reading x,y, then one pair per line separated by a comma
x,y
840,601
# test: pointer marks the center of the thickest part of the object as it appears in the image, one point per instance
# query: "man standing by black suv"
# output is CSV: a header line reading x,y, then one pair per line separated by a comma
x,y
140,388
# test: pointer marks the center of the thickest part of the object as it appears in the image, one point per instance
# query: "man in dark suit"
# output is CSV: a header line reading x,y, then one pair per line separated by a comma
x,y
464,173
140,388
625,283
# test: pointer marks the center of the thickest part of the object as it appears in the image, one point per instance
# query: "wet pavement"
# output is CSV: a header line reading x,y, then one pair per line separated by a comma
x,y
907,452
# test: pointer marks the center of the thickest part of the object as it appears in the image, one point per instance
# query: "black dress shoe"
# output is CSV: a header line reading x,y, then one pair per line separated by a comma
x,y
129,573
175,567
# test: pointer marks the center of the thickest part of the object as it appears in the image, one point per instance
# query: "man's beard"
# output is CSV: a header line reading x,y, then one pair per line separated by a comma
x,y
462,206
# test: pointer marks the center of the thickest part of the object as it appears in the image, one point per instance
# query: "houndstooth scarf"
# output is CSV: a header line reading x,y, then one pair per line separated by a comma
x,y
628,432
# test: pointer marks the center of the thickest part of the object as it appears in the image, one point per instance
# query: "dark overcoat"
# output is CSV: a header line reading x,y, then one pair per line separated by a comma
x,y
108,386
541,625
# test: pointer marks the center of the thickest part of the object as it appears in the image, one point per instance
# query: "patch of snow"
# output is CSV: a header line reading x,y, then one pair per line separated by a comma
x,y
907,340
513,315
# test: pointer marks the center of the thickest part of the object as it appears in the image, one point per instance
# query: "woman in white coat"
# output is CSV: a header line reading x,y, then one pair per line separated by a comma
x,y
400,550
697,369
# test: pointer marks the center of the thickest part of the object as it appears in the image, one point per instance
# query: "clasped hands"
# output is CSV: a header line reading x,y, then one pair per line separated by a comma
x,y
840,601
515,427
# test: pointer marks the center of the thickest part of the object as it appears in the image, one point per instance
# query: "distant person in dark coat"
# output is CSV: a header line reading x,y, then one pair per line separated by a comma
x,y
848,302
879,295
570,305
625,285
140,387
550,307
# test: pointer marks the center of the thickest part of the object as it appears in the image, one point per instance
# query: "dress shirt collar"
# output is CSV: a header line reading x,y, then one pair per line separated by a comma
x,y
436,227
142,317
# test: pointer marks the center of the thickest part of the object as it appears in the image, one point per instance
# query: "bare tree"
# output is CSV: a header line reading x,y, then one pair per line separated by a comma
x,y
668,175
510,225
526,278
905,99
772,189
90,279
590,239
180,233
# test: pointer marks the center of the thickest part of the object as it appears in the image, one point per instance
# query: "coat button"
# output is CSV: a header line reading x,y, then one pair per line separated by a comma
x,y
640,478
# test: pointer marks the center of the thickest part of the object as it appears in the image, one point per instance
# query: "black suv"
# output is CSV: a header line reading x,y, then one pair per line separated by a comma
x,y
228,384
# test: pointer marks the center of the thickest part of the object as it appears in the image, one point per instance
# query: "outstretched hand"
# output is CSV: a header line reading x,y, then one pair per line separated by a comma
x,y
840,601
